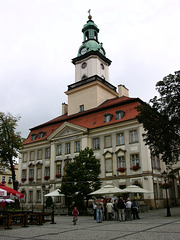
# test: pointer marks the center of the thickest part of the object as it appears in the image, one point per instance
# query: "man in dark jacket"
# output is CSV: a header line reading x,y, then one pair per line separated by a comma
x,y
121,207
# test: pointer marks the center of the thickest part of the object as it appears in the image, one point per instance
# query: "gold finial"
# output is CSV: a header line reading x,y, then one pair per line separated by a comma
x,y
89,14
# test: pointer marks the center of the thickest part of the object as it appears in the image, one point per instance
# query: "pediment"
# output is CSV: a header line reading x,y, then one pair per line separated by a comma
x,y
67,130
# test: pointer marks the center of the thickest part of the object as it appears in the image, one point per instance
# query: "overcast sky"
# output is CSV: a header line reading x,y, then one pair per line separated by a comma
x,y
38,39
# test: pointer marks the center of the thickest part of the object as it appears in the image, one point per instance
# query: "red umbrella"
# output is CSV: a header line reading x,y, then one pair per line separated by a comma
x,y
11,191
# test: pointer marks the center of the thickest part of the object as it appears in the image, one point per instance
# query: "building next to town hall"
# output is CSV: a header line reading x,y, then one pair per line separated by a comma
x,y
99,116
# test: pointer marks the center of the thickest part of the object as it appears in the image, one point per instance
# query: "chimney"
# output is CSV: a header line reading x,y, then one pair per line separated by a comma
x,y
123,91
64,108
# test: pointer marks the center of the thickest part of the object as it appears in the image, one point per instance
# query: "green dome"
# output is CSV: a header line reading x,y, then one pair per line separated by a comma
x,y
90,43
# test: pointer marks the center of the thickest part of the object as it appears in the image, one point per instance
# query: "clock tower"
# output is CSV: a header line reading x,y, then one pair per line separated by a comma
x,y
91,86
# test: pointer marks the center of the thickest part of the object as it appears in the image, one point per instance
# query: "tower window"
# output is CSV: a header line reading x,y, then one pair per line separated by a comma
x,y
102,66
83,77
84,64
87,35
81,108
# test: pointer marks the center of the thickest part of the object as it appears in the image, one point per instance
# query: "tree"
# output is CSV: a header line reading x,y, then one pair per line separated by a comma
x,y
10,142
161,119
81,176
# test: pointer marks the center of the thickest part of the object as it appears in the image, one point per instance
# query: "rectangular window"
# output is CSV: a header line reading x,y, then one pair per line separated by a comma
x,y
38,195
121,162
155,191
47,171
39,154
39,173
153,161
31,196
68,148
32,155
160,191
24,157
108,162
81,108
47,152
3,179
96,143
10,180
58,169
133,136
108,142
157,162
77,146
120,139
58,150
24,173
31,173
135,160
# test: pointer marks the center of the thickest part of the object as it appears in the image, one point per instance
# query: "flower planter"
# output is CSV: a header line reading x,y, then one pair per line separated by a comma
x,y
3,182
9,182
121,169
58,175
135,168
23,179
31,179
46,178
165,185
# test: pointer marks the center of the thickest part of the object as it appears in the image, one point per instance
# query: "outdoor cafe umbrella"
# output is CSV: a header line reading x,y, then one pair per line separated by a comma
x,y
107,190
135,189
55,193
7,200
11,191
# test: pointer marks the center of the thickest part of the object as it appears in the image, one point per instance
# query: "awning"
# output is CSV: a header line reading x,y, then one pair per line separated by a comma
x,y
11,191
135,189
107,190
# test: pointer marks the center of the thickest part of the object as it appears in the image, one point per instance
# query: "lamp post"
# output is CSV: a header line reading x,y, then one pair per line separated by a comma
x,y
167,202
43,189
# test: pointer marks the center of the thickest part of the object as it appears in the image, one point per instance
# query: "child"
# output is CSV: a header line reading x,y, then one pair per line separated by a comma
x,y
75,213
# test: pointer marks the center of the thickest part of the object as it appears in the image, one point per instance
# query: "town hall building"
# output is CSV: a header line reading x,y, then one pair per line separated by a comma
x,y
100,116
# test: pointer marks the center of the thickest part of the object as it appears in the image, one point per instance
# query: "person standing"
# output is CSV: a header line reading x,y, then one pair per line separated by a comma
x,y
94,209
99,211
121,207
135,209
109,207
128,209
115,210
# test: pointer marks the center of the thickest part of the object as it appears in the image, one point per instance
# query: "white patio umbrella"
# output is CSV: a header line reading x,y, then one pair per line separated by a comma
x,y
135,189
55,193
106,190
7,200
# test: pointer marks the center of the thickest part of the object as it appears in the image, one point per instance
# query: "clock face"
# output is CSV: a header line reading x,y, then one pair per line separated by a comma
x,y
101,51
83,50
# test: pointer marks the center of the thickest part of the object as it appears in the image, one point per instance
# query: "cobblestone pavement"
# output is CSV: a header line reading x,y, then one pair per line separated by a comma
x,y
153,225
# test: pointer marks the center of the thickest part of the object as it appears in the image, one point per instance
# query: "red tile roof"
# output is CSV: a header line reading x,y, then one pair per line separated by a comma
x,y
90,119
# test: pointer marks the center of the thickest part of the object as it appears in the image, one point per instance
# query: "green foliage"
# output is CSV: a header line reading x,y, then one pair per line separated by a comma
x,y
10,142
81,176
161,119
49,201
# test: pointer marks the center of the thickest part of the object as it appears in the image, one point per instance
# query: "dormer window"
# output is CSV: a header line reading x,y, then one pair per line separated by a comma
x,y
119,114
107,117
41,134
81,108
33,136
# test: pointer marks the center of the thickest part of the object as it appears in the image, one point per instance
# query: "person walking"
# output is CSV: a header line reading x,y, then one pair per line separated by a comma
x,y
121,208
99,211
128,210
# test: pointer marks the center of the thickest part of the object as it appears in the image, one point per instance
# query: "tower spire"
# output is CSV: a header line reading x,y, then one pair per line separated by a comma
x,y
90,17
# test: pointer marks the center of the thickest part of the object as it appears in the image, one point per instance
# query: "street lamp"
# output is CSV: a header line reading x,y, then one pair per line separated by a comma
x,y
43,189
167,202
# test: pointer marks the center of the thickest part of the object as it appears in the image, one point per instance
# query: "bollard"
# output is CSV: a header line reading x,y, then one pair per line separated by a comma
x,y
52,218
25,217
8,222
